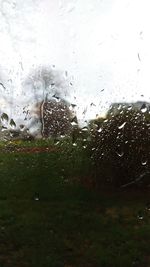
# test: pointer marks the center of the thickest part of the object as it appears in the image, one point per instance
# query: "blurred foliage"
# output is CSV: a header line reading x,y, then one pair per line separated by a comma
x,y
120,147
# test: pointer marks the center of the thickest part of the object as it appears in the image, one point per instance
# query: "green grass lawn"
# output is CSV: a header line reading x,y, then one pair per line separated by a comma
x,y
49,219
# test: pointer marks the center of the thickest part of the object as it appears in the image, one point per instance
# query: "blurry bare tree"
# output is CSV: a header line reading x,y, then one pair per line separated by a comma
x,y
46,81
48,89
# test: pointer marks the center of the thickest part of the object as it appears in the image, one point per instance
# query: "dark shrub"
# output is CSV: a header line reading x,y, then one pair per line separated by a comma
x,y
120,148
56,119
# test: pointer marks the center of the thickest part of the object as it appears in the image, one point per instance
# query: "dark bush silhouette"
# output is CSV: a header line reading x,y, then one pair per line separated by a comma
x,y
120,147
56,118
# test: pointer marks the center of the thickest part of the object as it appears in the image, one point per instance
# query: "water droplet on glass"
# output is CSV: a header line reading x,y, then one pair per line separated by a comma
x,y
99,130
12,123
140,216
4,116
148,206
56,142
74,144
22,127
130,107
144,162
74,123
36,199
122,125
3,128
143,109
120,151
84,129
120,154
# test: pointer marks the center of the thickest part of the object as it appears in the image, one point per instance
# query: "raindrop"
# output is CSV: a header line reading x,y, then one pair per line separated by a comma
x,y
1,84
122,125
74,123
12,123
4,128
22,127
56,142
36,197
130,107
84,129
49,111
99,130
144,162
4,116
143,109
120,153
139,58
66,74
148,206
140,217
92,104
74,144
57,98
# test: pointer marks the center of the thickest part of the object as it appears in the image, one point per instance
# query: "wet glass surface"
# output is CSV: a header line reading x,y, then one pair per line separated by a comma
x,y
74,133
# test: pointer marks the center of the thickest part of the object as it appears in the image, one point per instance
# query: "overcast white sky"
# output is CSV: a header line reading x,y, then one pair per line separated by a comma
x,y
104,45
